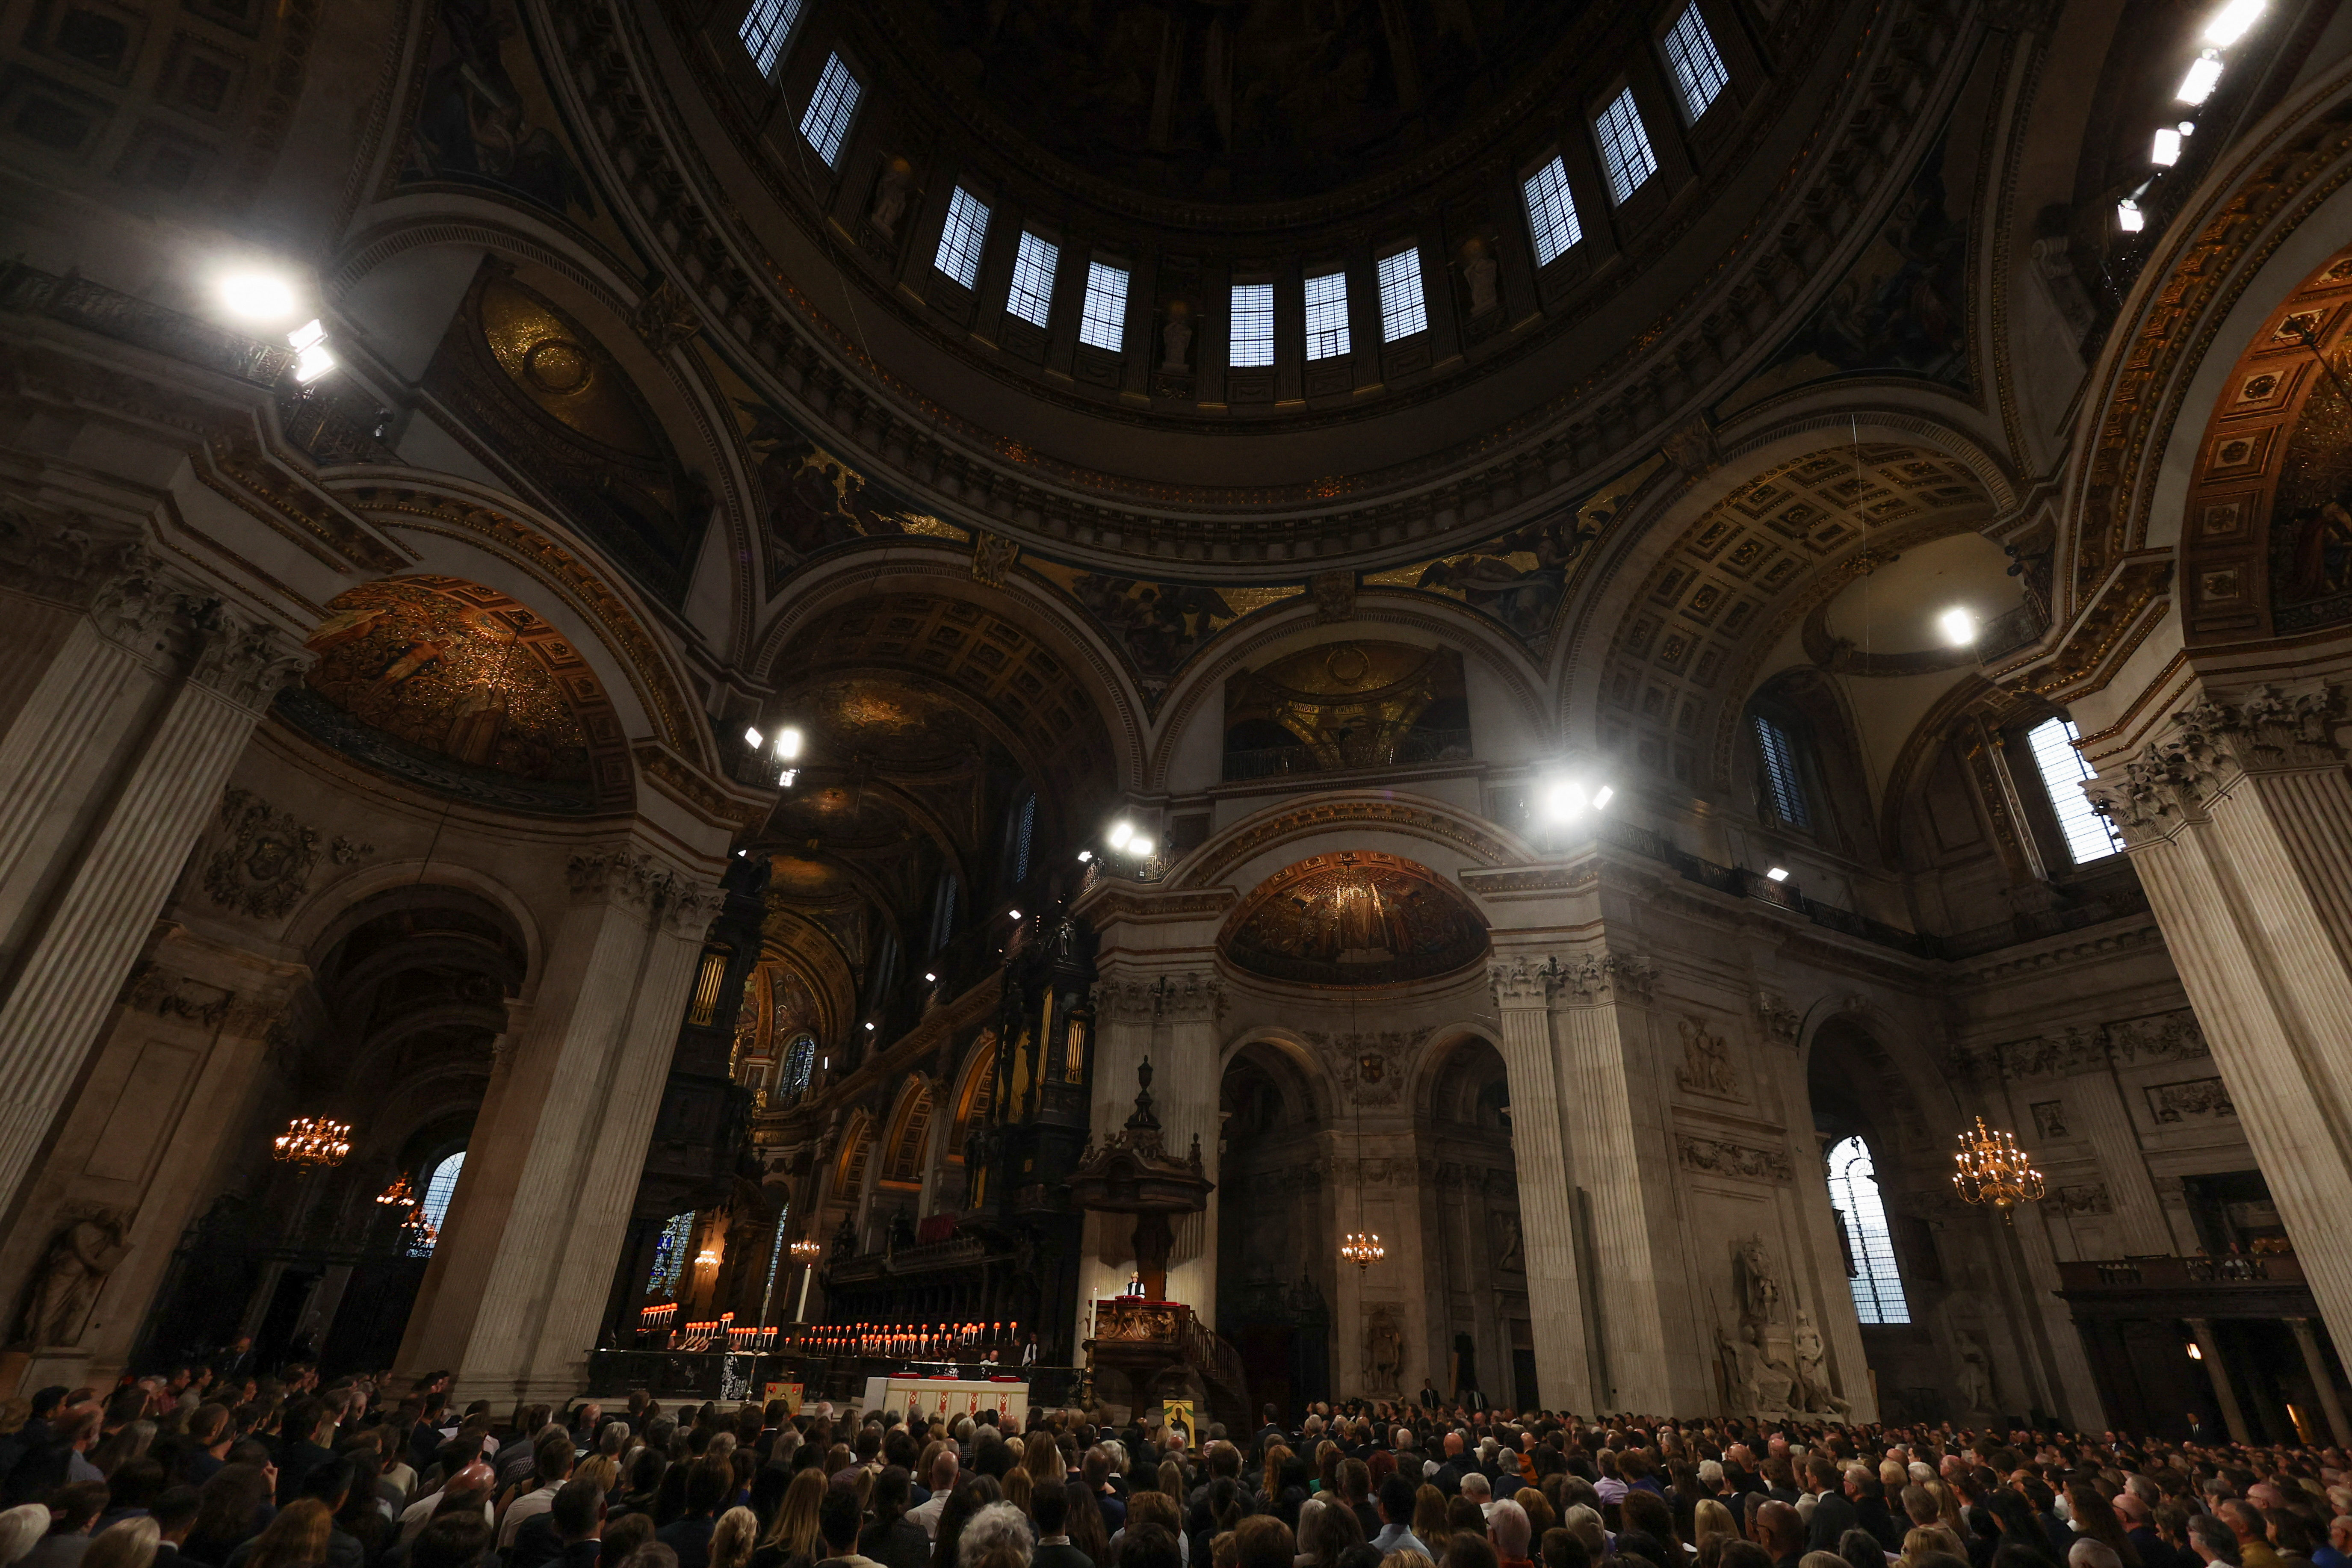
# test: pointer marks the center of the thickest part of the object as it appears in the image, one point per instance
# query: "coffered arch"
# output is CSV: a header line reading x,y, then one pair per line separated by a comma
x,y
1708,607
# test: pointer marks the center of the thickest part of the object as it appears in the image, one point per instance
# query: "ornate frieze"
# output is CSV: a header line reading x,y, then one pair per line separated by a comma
x,y
153,989
1781,1023
2197,1098
1193,996
2156,1038
2210,745
51,557
2049,1119
2070,1203
1372,1067
1717,1157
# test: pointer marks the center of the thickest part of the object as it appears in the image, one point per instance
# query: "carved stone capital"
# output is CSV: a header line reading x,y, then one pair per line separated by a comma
x,y
1194,997
248,664
1523,980
631,879
1123,998
2208,748
62,559
1599,977
688,906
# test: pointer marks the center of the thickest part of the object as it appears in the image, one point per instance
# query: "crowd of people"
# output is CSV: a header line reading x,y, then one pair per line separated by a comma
x,y
253,1473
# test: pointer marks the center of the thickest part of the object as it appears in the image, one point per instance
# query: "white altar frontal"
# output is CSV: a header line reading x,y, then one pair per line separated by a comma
x,y
947,1398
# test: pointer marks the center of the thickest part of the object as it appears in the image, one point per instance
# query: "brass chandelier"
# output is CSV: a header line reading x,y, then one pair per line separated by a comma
x,y
1989,1168
1362,1249
807,1249
312,1141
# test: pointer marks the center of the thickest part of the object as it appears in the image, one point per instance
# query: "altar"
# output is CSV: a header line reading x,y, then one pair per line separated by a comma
x,y
947,1398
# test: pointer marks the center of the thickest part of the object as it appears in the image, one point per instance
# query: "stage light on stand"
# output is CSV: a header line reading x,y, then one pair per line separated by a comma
x,y
2167,151
1119,834
2129,217
1958,627
752,738
1777,874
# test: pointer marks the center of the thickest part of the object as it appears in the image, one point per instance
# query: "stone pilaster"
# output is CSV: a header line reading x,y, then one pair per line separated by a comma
x,y
1523,989
1186,1091
108,774
521,1272
2095,1109
1621,1157
2239,819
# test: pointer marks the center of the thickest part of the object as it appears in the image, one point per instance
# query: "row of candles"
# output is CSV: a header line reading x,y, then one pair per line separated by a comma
x,y
916,1342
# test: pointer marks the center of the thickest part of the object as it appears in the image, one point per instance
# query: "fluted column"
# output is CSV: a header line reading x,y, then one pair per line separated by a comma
x,y
2315,1361
2233,1419
520,1274
2239,819
1546,1193
1184,1090
1620,1156
2097,1109
101,796
1127,1010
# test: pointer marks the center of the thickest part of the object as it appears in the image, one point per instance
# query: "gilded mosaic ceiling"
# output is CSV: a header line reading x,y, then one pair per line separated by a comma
x,y
459,687
1354,918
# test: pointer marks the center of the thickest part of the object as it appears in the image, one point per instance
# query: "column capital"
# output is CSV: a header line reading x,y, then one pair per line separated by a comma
x,y
2208,746
246,662
1600,976
1523,980
628,878
67,559
1125,996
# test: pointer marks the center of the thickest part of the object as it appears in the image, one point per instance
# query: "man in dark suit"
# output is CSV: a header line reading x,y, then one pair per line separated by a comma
x,y
1428,1395
174,1514
1833,1512
1051,1509
1270,1433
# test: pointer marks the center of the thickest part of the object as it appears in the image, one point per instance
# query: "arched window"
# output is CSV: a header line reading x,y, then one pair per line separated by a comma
x,y
800,1065
669,1254
441,1186
1783,774
943,912
1862,1220
2089,835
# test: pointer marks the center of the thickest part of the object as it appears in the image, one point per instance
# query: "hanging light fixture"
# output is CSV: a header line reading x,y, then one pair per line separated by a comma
x,y
311,1141
398,1193
421,1228
807,1249
1989,1168
1360,1247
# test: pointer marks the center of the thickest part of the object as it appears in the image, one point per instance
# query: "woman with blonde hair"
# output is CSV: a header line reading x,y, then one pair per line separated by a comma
x,y
21,1529
733,1537
1041,1457
1019,1488
794,1537
1429,1518
297,1538
1712,1526
129,1544
1269,1484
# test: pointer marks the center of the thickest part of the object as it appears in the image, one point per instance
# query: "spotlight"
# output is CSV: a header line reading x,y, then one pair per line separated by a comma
x,y
1777,874
2204,71
751,737
1139,846
2167,151
930,980
1118,835
869,1028
2129,217
257,296
1084,856
1601,797
310,342
2230,23
1012,914
788,742
1959,626
1566,801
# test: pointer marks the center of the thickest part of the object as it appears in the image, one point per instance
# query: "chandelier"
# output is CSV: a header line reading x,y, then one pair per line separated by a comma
x,y
314,1140
398,1193
1362,1249
807,1249
421,1228
1991,1169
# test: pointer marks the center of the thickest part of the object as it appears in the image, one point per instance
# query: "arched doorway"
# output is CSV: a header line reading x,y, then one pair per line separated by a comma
x,y
1482,1334
1274,1235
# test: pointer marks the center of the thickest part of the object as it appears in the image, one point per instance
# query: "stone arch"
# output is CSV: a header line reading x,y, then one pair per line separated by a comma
x,y
974,1094
1711,597
427,247
1435,1093
1302,924
2247,237
472,531
922,567
1436,832
456,688
1292,1063
1477,637
849,1161
907,1140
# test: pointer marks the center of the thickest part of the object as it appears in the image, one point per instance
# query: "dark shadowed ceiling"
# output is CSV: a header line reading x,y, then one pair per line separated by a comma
x,y
1242,99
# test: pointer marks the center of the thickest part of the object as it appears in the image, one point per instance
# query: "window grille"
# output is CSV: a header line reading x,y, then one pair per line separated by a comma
x,y
1784,785
961,240
1252,344
1032,297
1699,73
1625,152
1551,213
1404,309
1853,1192
1326,316
767,28
2089,835
830,108
1102,323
